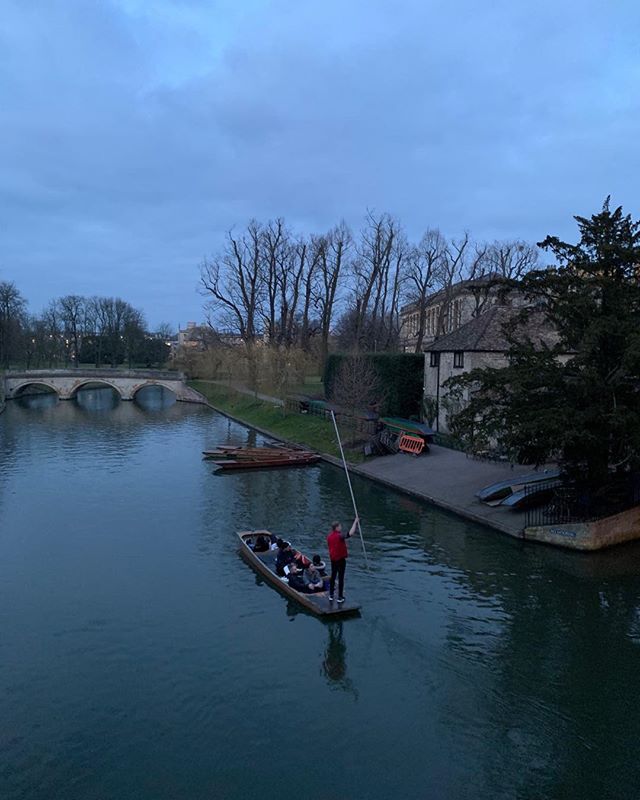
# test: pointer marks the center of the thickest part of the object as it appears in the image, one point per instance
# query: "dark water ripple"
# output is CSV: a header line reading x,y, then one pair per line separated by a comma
x,y
141,658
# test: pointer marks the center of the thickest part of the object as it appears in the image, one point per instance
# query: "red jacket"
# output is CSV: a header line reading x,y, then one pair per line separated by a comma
x,y
337,546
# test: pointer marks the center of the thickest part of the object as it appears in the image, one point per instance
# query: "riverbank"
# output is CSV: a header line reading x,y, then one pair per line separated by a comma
x,y
270,419
445,478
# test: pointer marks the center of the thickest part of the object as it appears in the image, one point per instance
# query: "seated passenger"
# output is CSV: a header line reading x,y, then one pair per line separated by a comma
x,y
273,541
261,545
313,579
294,576
319,564
284,557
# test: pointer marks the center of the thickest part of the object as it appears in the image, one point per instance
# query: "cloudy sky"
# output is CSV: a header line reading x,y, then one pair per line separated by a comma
x,y
133,133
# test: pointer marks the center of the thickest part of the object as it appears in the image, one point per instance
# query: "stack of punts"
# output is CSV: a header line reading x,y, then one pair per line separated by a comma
x,y
230,457
521,491
265,563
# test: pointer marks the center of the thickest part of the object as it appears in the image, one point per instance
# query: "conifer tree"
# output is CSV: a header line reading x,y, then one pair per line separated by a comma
x,y
578,399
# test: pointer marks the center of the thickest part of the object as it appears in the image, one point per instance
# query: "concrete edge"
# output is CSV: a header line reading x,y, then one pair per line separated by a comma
x,y
355,469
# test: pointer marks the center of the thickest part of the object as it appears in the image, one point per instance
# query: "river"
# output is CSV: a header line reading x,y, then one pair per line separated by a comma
x,y
140,657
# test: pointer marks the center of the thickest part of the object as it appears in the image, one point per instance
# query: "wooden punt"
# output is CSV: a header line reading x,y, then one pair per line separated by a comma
x,y
265,564
263,463
255,453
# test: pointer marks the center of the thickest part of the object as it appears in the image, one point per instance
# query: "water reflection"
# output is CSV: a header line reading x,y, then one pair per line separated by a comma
x,y
334,663
36,402
96,399
154,398
485,667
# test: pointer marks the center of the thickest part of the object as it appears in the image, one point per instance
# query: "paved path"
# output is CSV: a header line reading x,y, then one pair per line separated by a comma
x,y
449,479
241,389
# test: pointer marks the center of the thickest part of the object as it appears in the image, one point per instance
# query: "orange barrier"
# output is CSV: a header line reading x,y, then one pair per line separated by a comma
x,y
411,444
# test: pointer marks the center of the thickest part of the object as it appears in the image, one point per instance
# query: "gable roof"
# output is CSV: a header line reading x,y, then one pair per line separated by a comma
x,y
485,333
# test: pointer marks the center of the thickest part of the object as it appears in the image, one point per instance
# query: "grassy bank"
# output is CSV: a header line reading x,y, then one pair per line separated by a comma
x,y
312,431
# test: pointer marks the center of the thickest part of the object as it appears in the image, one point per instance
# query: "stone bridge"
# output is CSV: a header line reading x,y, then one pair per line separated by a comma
x,y
66,382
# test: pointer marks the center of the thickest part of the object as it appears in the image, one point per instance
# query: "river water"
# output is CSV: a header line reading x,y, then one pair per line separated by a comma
x,y
140,657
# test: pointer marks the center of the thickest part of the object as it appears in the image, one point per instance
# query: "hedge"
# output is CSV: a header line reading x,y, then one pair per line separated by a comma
x,y
400,375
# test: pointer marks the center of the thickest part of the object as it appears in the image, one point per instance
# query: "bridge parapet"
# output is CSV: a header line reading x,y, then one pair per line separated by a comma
x,y
66,383
152,374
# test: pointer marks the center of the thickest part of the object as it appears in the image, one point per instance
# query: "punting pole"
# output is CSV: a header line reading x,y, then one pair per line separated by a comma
x,y
353,499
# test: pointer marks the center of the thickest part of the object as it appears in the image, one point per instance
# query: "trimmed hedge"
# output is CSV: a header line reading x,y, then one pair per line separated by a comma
x,y
401,377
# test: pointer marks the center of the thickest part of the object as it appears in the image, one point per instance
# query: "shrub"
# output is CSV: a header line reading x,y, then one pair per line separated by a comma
x,y
399,376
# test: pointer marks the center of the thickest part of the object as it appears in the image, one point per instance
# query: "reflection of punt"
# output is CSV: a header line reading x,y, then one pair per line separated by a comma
x,y
265,564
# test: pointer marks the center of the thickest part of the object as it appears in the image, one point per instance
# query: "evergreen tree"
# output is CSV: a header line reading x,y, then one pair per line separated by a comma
x,y
578,400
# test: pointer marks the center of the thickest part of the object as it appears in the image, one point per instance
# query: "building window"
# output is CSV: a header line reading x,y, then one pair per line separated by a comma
x,y
435,359
458,359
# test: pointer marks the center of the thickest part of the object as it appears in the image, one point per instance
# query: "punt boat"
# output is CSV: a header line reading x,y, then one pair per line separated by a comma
x,y
263,463
399,425
498,491
538,494
265,564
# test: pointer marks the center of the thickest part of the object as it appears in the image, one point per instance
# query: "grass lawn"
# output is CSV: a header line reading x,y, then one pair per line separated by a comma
x,y
312,431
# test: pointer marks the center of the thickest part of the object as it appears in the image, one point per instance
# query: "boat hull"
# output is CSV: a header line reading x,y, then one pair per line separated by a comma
x,y
262,463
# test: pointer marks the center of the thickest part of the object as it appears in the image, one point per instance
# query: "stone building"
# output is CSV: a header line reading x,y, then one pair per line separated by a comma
x,y
481,342
449,309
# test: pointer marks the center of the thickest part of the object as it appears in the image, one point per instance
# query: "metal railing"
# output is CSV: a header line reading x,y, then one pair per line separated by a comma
x,y
570,503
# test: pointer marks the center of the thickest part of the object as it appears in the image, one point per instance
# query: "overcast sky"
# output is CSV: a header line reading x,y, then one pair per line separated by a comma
x,y
133,133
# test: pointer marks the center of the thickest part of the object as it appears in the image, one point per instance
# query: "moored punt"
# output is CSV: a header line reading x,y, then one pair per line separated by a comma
x,y
256,453
265,564
262,463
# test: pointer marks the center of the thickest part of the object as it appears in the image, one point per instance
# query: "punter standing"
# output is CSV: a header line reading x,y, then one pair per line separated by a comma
x,y
338,553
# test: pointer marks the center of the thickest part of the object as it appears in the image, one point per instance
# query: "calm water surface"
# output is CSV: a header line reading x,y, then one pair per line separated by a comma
x,y
140,657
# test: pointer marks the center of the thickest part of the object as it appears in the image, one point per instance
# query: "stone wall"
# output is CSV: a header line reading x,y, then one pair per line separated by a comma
x,y
446,371
622,527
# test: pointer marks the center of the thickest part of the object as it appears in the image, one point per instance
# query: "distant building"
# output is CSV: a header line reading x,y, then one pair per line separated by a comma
x,y
197,338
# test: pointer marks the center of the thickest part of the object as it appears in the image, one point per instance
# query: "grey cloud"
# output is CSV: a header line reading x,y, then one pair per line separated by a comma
x,y
131,139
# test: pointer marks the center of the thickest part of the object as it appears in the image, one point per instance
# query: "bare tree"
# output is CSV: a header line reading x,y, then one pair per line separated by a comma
x,y
377,273
454,265
356,388
425,270
234,282
12,320
55,346
497,269
133,332
71,311
331,253
291,278
274,264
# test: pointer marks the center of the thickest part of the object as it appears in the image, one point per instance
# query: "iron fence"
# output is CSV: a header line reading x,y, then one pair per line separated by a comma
x,y
567,503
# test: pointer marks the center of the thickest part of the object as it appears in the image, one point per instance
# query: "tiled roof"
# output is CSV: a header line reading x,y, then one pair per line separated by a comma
x,y
486,333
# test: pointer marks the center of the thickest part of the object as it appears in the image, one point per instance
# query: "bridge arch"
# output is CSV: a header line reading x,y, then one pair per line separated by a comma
x,y
19,390
148,383
94,383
